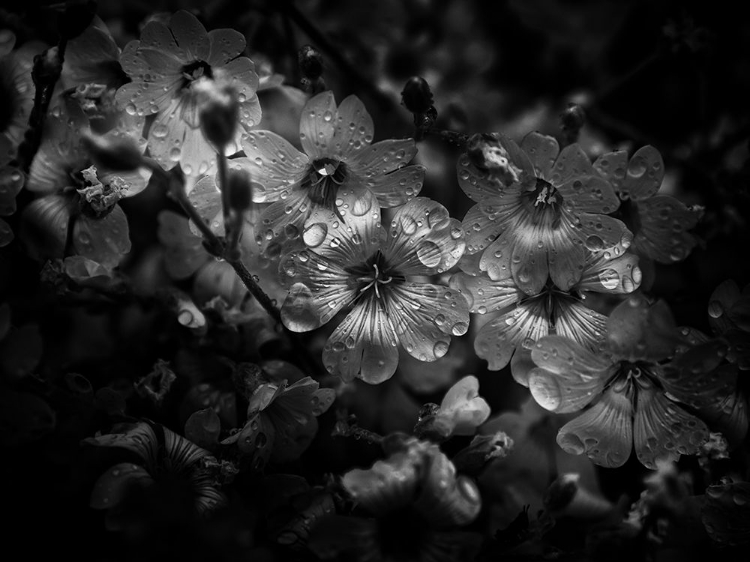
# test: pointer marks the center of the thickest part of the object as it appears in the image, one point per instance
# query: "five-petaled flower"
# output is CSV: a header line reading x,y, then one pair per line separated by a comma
x,y
538,210
337,153
355,261
522,319
635,396
165,66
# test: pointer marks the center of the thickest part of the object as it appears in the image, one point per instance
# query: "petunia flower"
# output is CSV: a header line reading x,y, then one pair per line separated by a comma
x,y
76,210
520,319
165,65
337,153
634,396
418,504
356,262
659,222
538,210
162,454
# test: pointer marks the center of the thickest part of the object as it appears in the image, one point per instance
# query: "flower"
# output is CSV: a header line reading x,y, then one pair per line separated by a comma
x,y
356,262
538,210
634,396
281,417
76,209
659,223
165,65
524,319
338,153
418,503
460,413
163,454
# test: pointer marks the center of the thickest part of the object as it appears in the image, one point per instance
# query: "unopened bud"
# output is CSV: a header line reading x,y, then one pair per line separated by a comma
x,y
416,95
220,111
240,191
310,63
47,67
572,119
115,153
481,450
76,17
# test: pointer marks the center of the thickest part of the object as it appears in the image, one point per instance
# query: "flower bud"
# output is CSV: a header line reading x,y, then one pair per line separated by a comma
x,y
572,119
240,190
115,153
220,111
310,63
416,95
47,67
481,450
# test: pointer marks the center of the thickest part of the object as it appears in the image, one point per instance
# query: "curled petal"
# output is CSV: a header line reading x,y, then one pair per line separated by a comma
x,y
604,432
424,317
364,345
423,239
317,125
663,431
485,295
542,151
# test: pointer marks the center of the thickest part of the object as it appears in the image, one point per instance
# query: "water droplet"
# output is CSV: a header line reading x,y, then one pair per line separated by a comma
x,y
715,309
315,234
440,349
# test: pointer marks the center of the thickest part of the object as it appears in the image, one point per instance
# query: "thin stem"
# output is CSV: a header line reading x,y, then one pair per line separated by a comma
x,y
221,163
620,81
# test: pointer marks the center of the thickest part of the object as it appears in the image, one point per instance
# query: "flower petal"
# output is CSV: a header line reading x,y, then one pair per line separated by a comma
x,y
664,222
485,295
576,321
567,358
317,125
274,165
423,239
321,292
522,326
225,45
644,175
599,232
105,240
463,406
589,194
190,35
572,162
396,188
604,432
138,438
364,345
664,431
424,317
637,331
381,158
114,485
563,393
59,155
611,166
606,272
184,253
157,36
353,128
218,278
720,303
281,223
245,81
480,230
45,225
542,151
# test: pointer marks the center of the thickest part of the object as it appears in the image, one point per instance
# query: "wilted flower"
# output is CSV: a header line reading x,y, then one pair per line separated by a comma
x,y
74,194
163,455
635,397
460,413
338,154
281,417
418,503
355,261
165,66
538,210
659,223
523,319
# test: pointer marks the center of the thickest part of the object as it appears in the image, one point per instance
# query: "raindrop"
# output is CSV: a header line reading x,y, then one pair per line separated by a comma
x,y
315,234
715,309
440,349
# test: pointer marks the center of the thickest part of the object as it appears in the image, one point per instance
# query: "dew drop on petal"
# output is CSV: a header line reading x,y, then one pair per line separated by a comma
x,y
315,234
594,243
440,349
610,279
715,309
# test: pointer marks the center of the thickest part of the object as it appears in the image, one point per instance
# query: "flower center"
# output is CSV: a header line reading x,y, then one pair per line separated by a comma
x,y
97,199
373,275
194,71
543,202
325,177
630,378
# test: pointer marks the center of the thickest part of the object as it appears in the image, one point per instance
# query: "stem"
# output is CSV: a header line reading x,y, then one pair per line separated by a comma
x,y
221,162
618,82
